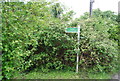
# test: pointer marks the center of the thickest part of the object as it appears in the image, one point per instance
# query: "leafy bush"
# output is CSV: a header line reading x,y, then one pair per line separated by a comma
x,y
32,38
22,26
99,41
97,49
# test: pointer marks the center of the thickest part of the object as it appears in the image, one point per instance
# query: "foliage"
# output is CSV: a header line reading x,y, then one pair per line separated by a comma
x,y
21,24
0,42
99,41
57,10
68,16
97,49
33,37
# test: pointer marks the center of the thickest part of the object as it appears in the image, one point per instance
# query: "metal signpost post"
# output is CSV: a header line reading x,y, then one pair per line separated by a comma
x,y
78,51
75,30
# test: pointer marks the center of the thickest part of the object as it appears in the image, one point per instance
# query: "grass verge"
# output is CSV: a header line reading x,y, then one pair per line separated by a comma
x,y
62,75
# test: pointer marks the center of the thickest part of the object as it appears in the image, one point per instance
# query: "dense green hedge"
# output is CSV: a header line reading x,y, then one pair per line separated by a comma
x,y
98,48
33,38
99,43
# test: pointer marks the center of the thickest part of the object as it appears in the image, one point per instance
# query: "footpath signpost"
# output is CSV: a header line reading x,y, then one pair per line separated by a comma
x,y
75,30
71,30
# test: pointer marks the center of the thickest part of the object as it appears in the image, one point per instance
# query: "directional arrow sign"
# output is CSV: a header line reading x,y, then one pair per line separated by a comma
x,y
71,30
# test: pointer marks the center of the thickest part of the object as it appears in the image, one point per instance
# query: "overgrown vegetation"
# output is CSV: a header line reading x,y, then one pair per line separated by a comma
x,y
33,36
99,46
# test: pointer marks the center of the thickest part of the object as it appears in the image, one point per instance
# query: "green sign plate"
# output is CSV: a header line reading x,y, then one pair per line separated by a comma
x,y
71,30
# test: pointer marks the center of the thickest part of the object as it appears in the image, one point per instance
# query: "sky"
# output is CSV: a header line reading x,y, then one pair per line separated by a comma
x,y
82,6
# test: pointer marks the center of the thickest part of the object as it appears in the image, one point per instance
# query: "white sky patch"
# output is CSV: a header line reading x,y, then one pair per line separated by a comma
x,y
82,6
